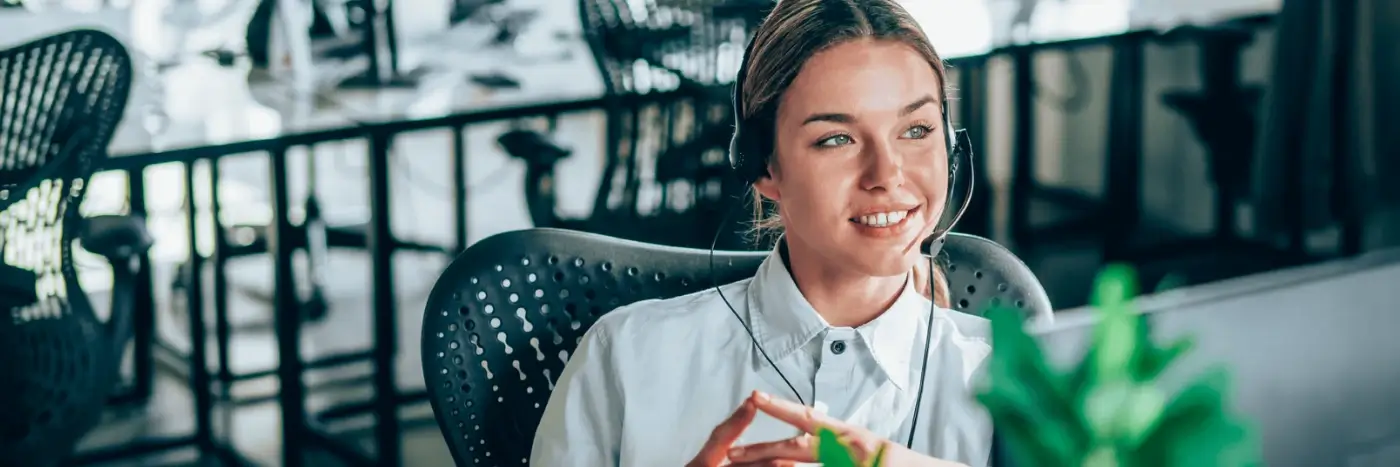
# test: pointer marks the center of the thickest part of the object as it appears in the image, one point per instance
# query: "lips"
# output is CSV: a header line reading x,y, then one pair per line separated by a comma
x,y
884,217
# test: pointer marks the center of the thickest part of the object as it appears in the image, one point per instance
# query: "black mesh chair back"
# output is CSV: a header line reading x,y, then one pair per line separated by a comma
x,y
61,98
504,317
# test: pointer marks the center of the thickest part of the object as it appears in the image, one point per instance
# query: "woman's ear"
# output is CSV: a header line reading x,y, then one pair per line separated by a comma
x,y
767,186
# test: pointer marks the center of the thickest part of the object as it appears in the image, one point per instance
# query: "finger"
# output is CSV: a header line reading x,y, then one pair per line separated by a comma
x,y
800,448
767,463
729,430
724,435
802,417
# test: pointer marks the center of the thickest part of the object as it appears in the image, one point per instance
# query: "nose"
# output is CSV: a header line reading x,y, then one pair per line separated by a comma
x,y
884,168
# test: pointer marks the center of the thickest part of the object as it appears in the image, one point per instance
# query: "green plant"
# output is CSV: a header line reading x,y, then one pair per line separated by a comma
x,y
1108,409
832,451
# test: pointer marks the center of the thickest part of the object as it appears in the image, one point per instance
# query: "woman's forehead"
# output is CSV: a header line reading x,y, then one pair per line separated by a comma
x,y
862,77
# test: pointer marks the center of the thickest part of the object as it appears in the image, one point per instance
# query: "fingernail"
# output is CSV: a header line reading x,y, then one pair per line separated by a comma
x,y
762,396
736,452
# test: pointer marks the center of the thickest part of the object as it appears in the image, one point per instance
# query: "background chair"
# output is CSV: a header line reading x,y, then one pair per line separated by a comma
x,y
665,169
62,98
503,318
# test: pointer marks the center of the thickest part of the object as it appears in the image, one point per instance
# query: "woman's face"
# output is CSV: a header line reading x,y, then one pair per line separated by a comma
x,y
860,170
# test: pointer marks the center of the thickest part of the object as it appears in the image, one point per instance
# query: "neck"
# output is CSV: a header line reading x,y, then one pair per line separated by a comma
x,y
842,297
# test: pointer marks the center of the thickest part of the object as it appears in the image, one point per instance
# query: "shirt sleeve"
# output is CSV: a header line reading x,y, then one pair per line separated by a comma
x,y
582,423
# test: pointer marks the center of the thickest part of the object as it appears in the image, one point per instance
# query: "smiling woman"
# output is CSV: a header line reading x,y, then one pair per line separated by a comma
x,y
841,141
841,129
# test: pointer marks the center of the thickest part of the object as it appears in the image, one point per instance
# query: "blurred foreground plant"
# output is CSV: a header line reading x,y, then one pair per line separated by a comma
x,y
1108,410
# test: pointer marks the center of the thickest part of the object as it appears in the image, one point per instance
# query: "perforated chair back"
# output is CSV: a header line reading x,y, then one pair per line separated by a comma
x,y
504,317
61,98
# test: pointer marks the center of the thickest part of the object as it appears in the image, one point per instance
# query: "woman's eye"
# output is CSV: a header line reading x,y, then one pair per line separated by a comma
x,y
838,140
917,132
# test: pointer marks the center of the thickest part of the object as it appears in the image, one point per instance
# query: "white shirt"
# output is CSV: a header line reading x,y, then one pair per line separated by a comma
x,y
650,380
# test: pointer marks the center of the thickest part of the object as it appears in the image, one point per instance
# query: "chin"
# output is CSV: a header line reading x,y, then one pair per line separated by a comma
x,y
887,265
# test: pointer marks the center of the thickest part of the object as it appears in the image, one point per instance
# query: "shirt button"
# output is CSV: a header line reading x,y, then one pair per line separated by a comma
x,y
838,347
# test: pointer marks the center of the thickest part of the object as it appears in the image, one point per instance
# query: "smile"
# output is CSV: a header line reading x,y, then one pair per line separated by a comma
x,y
883,220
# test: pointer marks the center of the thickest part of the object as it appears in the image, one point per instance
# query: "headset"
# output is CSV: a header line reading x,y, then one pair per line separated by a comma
x,y
749,150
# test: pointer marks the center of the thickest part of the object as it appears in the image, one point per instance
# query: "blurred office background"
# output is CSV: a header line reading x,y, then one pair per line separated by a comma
x,y
1199,139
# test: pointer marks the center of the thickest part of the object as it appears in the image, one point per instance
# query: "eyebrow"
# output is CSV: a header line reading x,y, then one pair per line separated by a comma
x,y
848,118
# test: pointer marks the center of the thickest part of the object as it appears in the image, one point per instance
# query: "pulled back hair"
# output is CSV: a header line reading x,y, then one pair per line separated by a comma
x,y
793,32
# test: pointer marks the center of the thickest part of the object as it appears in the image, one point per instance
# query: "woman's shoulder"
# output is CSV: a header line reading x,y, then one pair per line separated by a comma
x,y
968,341
967,326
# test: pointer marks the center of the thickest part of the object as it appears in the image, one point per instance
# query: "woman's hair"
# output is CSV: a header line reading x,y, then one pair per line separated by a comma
x,y
792,33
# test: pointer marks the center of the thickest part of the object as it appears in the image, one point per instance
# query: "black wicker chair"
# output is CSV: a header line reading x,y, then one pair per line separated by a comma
x,y
61,98
665,169
523,299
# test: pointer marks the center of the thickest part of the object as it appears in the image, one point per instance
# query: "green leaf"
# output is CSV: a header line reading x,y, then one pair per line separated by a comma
x,y
1152,361
1103,456
1123,413
1024,442
1115,285
1115,336
832,451
1197,431
1021,378
1169,282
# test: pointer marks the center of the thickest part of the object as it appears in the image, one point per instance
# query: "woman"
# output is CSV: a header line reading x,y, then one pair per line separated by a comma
x,y
841,102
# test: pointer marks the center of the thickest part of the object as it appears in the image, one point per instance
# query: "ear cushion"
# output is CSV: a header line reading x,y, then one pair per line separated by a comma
x,y
744,158
736,153
960,188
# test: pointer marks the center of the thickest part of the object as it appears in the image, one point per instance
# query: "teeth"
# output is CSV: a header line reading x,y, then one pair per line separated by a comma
x,y
884,219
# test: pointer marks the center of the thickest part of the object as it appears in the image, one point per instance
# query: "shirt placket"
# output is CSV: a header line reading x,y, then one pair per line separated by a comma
x,y
834,388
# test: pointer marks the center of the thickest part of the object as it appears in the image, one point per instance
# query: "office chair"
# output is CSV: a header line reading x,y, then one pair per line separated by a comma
x,y
665,169
503,318
64,96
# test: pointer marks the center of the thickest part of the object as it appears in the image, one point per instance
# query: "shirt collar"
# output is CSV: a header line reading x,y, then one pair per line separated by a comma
x,y
784,321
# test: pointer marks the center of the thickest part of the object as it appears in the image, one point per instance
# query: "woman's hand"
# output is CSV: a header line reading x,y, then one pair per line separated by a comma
x,y
716,449
862,442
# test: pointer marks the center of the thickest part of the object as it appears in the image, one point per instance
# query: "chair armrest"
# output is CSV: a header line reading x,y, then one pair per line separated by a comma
x,y
536,149
117,237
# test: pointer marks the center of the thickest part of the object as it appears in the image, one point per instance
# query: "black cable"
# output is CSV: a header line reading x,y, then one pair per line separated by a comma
x,y
928,334
928,342
714,281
